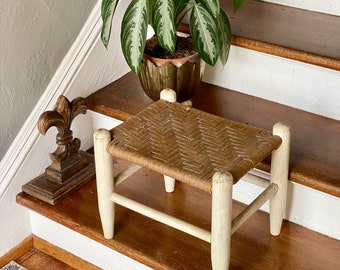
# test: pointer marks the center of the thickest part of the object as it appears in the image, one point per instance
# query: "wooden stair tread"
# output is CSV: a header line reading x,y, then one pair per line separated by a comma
x,y
35,253
315,155
35,260
162,247
293,33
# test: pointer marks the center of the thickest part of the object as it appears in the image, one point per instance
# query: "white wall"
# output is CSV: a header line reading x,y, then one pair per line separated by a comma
x,y
35,36
86,67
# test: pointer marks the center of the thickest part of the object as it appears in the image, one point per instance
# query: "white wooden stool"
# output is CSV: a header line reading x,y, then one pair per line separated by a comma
x,y
202,150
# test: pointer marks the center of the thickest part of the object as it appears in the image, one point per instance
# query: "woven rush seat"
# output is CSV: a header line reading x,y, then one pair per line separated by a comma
x,y
190,145
200,149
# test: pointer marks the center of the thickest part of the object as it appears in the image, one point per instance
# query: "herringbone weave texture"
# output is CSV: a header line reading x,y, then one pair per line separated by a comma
x,y
190,145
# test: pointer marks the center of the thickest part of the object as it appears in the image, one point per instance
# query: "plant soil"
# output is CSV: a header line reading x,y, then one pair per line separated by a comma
x,y
184,48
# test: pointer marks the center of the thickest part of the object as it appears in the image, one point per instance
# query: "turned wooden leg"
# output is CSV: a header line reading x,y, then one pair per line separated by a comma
x,y
168,95
104,178
221,220
279,176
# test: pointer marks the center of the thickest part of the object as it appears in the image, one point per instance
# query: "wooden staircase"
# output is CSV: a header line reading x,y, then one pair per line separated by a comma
x,y
153,244
161,247
277,31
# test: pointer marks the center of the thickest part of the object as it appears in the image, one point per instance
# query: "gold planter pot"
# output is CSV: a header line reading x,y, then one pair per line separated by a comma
x,y
157,74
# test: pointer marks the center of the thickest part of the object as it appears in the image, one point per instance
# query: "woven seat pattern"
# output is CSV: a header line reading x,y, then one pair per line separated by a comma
x,y
190,145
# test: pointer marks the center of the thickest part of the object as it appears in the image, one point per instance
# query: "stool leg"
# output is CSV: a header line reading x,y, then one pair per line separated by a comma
x,y
104,178
279,176
169,183
221,220
168,95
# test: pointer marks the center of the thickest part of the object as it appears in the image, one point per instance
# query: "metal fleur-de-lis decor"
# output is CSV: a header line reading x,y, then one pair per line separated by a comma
x,y
62,116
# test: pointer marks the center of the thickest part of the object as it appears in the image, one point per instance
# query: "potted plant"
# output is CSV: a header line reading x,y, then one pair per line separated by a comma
x,y
210,38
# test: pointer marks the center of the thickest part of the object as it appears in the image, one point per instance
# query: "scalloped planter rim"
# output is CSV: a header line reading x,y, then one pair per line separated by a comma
x,y
182,74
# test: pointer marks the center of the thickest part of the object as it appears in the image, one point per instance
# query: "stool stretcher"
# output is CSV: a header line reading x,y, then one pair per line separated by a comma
x,y
161,217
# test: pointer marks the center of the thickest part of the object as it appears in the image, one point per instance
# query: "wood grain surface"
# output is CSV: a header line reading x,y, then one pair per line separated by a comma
x,y
297,34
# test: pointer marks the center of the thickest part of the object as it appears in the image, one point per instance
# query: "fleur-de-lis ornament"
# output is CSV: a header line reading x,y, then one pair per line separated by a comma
x,y
66,154
70,168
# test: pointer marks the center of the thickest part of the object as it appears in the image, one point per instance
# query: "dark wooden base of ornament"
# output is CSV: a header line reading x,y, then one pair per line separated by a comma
x,y
52,192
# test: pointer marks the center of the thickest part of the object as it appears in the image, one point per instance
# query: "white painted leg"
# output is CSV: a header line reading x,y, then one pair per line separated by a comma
x,y
168,95
279,176
169,183
187,103
222,185
104,178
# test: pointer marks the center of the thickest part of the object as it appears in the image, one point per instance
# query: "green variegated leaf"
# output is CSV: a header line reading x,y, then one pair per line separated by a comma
x,y
237,4
205,34
133,33
150,8
180,6
213,6
163,15
225,36
107,11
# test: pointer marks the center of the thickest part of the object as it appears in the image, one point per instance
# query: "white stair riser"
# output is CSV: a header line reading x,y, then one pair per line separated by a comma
x,y
292,83
80,245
